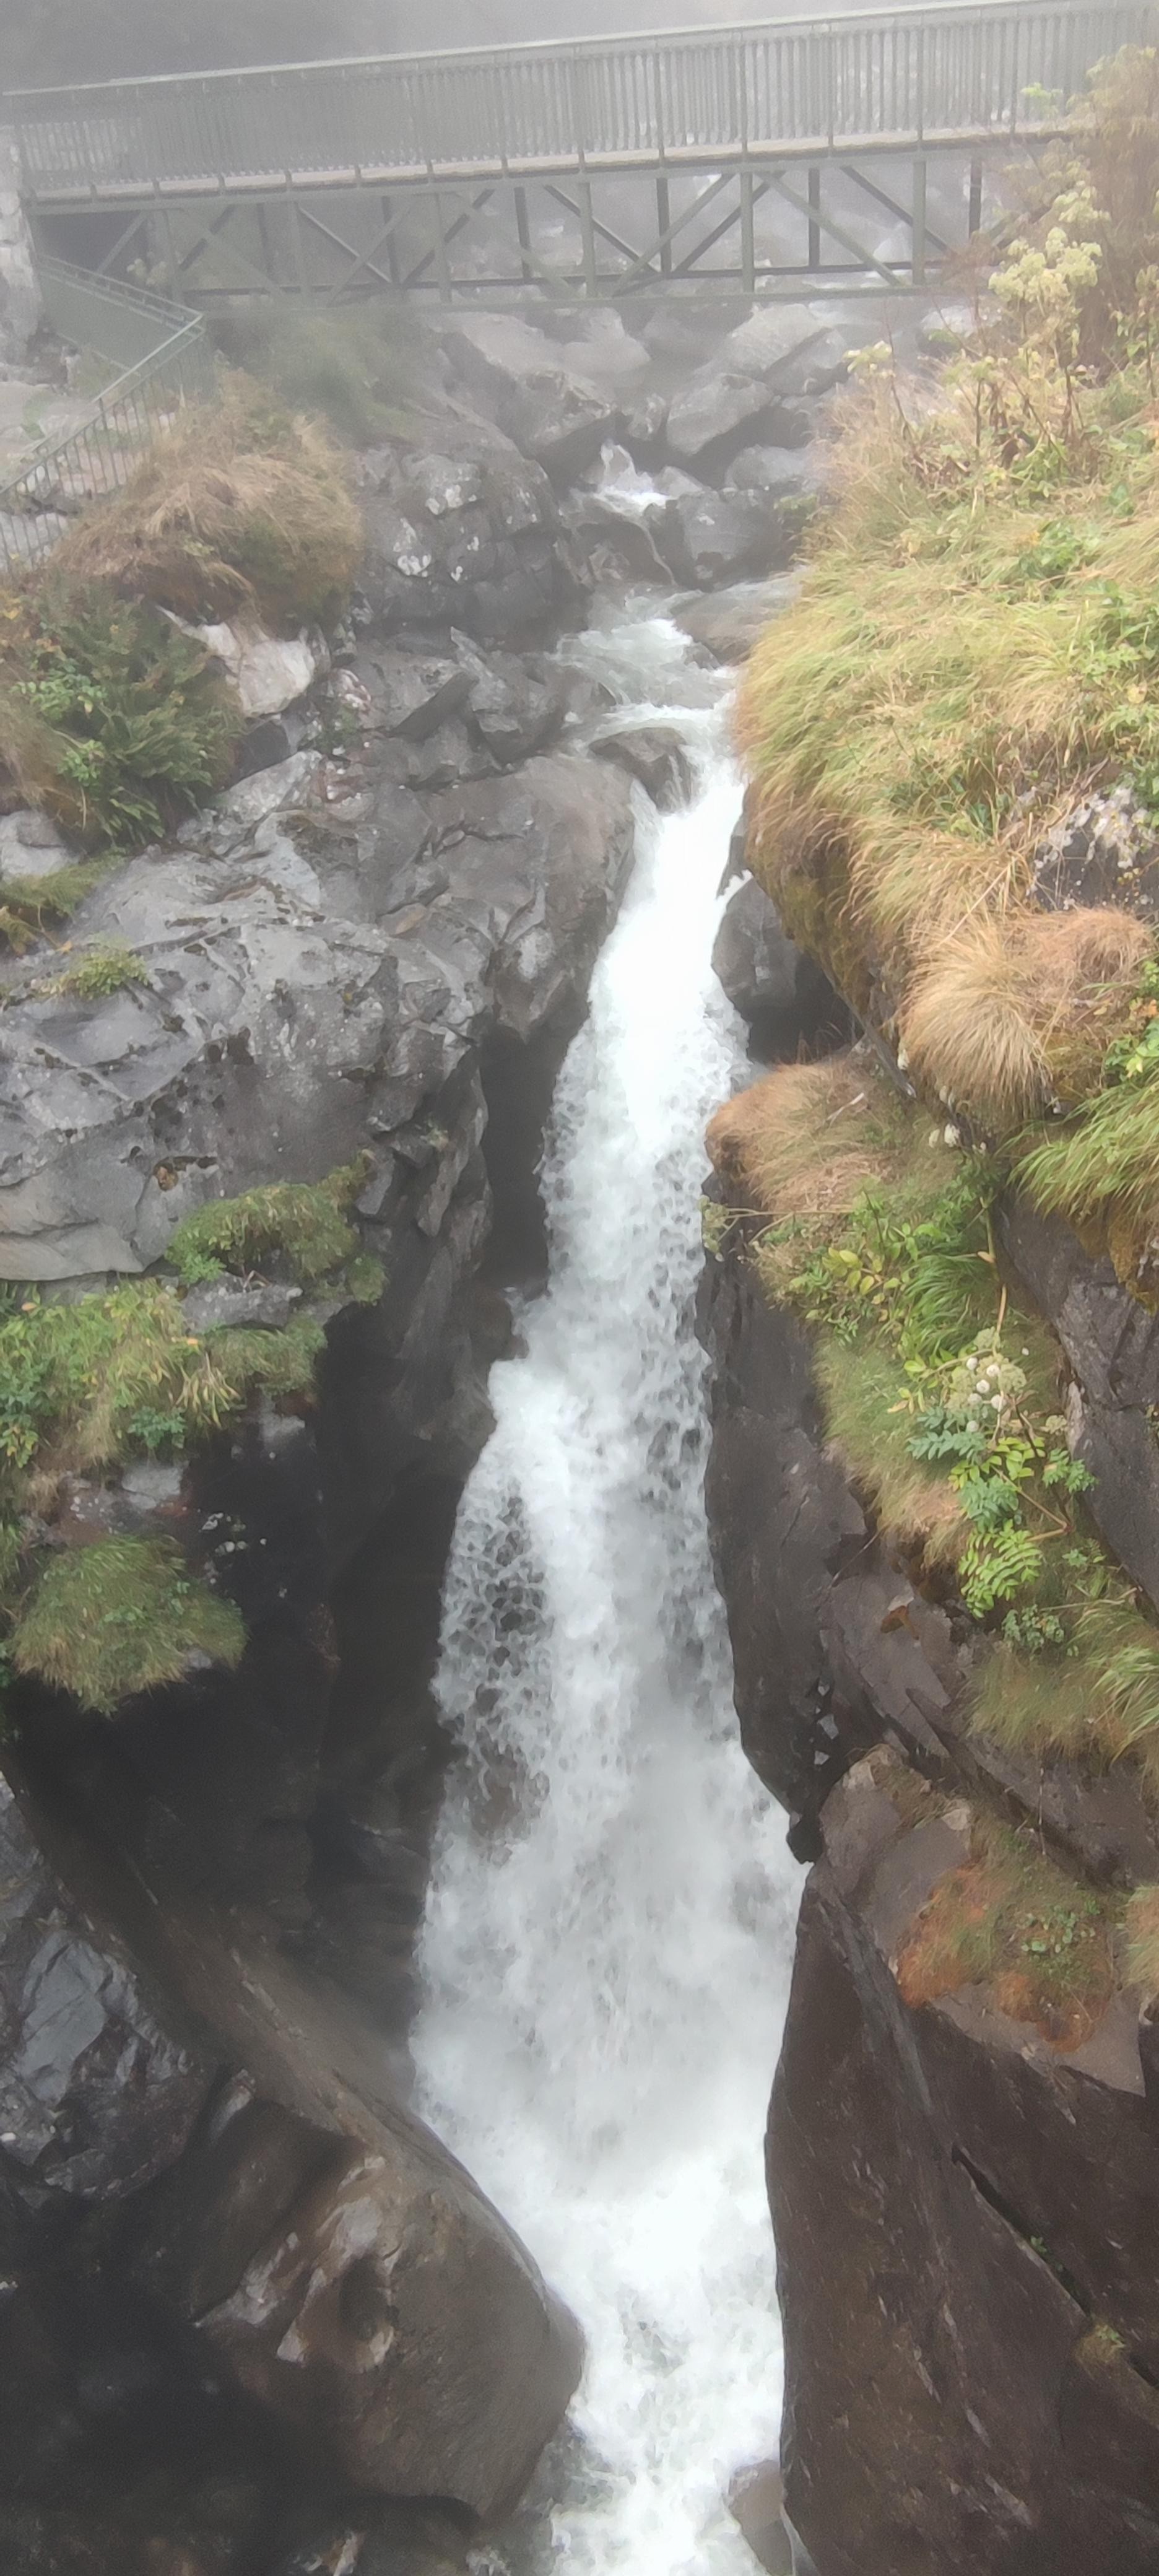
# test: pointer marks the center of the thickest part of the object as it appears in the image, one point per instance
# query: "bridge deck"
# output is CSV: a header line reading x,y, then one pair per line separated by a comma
x,y
904,80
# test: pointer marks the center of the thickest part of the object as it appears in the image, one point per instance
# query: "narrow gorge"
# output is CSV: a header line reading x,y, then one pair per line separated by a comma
x,y
579,1502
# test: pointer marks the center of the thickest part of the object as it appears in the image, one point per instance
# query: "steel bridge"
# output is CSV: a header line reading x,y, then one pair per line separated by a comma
x,y
594,169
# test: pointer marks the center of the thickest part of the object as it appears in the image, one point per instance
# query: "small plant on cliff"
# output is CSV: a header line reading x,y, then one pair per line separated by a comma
x,y
123,1616
112,968
301,1223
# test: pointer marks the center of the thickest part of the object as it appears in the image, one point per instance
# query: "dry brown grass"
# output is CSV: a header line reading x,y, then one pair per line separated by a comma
x,y
1018,1008
808,1141
1141,1947
1009,1920
237,507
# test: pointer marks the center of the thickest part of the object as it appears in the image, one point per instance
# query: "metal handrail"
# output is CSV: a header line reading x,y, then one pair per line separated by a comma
x,y
907,75
98,456
832,23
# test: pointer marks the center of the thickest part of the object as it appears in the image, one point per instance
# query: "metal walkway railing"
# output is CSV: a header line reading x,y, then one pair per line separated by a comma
x,y
165,360
909,76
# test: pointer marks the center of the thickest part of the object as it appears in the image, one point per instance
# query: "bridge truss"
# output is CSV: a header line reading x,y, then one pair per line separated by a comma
x,y
763,158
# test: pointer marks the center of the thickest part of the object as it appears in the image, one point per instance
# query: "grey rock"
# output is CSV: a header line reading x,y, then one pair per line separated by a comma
x,y
1112,1344
264,1306
98,2089
277,1035
709,412
644,418
555,416
729,625
413,693
771,340
442,485
722,537
776,1501
269,672
654,754
253,800
495,564
31,846
770,469
513,712
338,2265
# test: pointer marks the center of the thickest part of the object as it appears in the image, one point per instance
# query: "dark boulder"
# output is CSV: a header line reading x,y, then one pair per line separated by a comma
x,y
780,993
364,2293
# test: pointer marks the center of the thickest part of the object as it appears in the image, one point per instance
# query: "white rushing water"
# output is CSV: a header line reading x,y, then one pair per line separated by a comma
x,y
609,1930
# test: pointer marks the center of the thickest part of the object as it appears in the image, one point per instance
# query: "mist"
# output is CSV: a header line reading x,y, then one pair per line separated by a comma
x,y
47,41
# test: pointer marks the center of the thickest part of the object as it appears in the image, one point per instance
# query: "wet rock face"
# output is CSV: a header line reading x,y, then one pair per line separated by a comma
x,y
781,1520
97,2092
951,2218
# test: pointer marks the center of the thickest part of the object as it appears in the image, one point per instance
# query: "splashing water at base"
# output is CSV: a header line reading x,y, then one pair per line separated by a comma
x,y
609,1930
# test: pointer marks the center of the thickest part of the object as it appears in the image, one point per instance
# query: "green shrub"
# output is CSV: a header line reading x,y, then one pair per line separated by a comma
x,y
123,1616
302,1223
135,726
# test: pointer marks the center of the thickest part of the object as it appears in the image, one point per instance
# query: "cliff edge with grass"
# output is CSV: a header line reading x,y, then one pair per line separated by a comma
x,y
932,1293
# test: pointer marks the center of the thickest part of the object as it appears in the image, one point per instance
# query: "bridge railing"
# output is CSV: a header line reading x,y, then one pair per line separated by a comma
x,y
910,74
173,365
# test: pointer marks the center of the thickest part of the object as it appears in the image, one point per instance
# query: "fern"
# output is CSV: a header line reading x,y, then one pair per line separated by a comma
x,y
998,1565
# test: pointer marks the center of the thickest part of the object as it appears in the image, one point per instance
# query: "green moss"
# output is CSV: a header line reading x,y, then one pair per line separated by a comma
x,y
301,1223
124,1616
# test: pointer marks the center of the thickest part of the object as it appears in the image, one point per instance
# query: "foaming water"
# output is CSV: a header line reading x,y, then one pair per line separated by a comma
x,y
609,1929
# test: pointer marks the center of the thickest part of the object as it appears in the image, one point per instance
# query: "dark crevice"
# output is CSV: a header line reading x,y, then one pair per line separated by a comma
x,y
1010,2217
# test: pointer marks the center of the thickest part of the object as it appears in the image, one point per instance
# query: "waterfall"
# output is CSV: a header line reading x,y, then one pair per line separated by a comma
x,y
609,1931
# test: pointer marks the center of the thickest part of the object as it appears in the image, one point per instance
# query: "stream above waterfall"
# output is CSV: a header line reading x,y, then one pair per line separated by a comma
x,y
608,1937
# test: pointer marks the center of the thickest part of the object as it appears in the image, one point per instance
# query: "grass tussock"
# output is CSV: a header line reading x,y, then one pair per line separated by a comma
x,y
914,1505
239,507
1013,1014
1094,1700
123,1616
810,1140
303,1224
1012,1921
977,645
1102,1169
